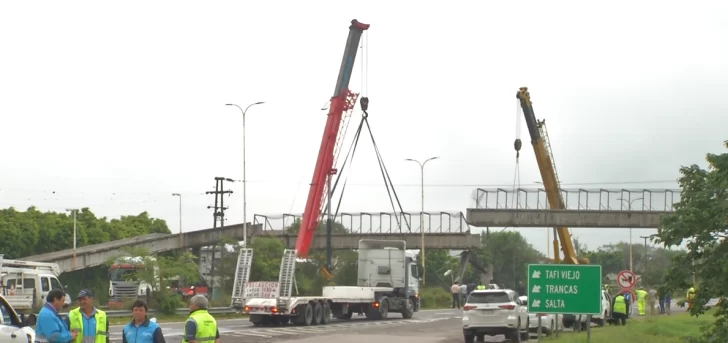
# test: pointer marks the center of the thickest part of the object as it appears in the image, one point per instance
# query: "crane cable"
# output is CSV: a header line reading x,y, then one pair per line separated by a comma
x,y
517,144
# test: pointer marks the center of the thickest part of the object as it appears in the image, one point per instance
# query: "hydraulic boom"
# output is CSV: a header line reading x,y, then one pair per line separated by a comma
x,y
340,102
548,174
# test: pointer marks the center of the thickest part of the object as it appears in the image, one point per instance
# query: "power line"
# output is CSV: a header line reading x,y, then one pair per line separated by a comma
x,y
52,192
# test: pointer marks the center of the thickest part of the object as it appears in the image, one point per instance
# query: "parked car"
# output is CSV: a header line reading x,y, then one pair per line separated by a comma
x,y
14,328
549,324
495,312
600,319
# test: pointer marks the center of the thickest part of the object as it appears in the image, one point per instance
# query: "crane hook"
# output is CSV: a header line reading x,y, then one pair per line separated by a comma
x,y
517,145
364,103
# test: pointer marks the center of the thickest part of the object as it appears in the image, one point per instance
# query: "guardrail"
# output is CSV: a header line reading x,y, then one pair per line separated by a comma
x,y
179,311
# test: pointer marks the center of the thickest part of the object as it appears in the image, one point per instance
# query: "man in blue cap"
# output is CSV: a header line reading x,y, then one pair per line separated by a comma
x,y
89,322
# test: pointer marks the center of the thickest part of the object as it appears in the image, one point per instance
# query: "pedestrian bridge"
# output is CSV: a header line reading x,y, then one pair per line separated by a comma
x,y
442,230
585,208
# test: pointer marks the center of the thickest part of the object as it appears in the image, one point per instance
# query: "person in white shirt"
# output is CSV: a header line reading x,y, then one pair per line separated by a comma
x,y
455,290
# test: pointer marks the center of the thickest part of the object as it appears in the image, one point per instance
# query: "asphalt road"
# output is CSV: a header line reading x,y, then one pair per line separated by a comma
x,y
241,330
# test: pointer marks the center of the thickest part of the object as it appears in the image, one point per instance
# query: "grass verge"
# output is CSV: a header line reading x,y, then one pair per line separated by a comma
x,y
661,329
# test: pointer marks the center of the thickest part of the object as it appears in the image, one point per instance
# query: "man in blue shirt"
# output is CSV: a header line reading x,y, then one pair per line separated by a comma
x,y
91,322
50,327
141,329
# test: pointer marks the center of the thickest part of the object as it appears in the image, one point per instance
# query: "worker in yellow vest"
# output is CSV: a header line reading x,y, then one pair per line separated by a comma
x,y
200,327
641,295
481,286
690,297
89,322
619,310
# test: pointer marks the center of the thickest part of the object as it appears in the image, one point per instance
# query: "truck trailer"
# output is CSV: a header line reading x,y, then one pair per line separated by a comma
x,y
387,282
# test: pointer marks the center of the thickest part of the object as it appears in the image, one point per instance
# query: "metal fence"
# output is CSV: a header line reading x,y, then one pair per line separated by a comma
x,y
363,223
579,199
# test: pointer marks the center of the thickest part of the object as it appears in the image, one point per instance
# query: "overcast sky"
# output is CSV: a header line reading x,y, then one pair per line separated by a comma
x,y
115,107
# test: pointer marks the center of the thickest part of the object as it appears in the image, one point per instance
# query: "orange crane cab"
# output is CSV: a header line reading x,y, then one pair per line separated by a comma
x,y
549,177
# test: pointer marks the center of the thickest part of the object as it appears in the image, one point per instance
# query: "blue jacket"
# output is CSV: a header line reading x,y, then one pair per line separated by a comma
x,y
147,332
50,327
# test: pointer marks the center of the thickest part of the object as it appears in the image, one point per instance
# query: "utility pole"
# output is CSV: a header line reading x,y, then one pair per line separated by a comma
x,y
422,212
74,210
218,216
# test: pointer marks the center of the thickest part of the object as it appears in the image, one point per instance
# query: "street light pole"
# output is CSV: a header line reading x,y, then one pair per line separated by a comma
x,y
644,262
74,210
245,187
180,217
629,208
422,212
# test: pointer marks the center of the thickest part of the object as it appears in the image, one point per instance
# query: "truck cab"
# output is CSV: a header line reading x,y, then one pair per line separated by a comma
x,y
413,279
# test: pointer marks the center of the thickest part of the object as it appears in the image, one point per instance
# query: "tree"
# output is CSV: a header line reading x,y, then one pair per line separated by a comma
x,y
701,220
510,254
34,232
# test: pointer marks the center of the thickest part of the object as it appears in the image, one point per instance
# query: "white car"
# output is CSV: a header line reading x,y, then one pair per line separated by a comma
x,y
600,319
549,324
495,312
12,328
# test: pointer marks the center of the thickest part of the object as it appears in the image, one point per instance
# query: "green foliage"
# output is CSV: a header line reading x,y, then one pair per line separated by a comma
x,y
435,297
650,261
510,254
33,232
701,220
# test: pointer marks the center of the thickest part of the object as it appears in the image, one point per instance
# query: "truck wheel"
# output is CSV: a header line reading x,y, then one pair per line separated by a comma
x,y
326,313
408,310
305,315
384,309
317,314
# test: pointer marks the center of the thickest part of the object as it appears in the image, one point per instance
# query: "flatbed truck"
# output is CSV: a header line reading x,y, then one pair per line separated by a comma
x,y
387,283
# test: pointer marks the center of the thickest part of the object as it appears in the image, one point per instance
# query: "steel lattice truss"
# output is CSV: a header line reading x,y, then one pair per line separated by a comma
x,y
580,199
378,222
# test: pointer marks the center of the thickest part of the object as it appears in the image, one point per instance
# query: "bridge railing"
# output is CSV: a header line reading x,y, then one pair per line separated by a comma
x,y
363,223
580,199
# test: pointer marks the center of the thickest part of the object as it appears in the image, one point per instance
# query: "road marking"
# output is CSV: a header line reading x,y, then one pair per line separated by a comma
x,y
269,332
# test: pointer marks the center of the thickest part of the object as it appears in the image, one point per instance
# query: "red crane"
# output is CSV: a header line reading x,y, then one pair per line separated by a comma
x,y
342,101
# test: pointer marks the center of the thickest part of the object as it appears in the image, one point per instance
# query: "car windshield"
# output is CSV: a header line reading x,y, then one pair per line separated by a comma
x,y
489,298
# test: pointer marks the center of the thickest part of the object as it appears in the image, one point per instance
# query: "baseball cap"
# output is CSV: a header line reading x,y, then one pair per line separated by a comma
x,y
85,293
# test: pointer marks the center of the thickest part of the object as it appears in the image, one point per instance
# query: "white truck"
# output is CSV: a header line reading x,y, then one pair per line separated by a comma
x,y
25,284
387,282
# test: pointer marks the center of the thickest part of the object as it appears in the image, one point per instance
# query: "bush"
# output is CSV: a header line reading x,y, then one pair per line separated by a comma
x,y
435,298
167,303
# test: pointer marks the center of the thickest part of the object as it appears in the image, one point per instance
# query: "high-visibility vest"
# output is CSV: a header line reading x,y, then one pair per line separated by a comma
x,y
641,295
75,321
619,305
206,326
480,287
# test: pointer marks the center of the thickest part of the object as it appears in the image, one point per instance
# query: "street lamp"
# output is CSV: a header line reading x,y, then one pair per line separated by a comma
x,y
245,198
74,210
644,263
422,212
629,208
180,217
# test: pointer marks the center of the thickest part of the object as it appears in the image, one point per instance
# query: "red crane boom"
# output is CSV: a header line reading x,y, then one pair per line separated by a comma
x,y
340,102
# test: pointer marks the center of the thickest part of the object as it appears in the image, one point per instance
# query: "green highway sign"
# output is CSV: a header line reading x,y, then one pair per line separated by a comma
x,y
565,289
